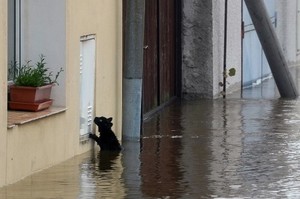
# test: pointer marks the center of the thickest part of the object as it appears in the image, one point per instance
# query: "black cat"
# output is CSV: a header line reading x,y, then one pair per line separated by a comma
x,y
107,139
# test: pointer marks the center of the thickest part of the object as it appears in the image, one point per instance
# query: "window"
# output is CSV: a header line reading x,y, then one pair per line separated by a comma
x,y
13,33
35,28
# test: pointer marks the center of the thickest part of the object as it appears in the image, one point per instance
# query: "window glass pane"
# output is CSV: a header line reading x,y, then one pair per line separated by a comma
x,y
11,38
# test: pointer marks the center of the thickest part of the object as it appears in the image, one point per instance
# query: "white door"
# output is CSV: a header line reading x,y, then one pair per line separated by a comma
x,y
87,81
255,65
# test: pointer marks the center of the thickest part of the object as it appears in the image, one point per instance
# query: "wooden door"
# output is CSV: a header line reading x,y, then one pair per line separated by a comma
x,y
166,50
159,74
150,70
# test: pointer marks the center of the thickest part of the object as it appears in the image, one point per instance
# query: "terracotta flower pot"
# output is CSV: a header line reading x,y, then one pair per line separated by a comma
x,y
30,98
30,94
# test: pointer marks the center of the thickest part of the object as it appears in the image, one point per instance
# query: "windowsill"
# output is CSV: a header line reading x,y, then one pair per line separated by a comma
x,y
15,118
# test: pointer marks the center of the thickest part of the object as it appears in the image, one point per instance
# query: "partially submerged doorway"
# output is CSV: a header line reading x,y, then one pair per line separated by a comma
x,y
161,72
255,65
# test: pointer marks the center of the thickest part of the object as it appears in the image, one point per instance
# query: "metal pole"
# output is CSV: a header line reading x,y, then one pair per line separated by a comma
x,y
272,49
225,49
133,68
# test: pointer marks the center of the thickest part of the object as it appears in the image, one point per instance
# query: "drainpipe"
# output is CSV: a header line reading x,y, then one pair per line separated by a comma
x,y
133,68
225,49
272,49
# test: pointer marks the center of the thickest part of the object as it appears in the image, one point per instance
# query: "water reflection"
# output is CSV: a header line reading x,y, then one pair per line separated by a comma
x,y
271,151
100,175
161,172
232,148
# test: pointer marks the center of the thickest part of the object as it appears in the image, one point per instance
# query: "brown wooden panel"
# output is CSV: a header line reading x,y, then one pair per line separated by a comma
x,y
166,50
150,70
159,80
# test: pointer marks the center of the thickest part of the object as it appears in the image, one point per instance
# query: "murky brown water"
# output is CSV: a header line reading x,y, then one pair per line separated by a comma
x,y
230,148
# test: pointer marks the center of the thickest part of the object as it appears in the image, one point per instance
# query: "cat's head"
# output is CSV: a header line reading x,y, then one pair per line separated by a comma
x,y
103,123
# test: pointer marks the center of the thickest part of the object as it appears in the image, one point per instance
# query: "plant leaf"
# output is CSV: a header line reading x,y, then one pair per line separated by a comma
x,y
232,72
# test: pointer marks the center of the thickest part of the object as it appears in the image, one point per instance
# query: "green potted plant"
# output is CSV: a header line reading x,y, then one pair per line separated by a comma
x,y
32,86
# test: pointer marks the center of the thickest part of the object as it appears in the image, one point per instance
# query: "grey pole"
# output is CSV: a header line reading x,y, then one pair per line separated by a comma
x,y
272,48
133,68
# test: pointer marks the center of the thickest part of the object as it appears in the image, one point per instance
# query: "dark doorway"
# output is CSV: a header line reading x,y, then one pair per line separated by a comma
x,y
162,57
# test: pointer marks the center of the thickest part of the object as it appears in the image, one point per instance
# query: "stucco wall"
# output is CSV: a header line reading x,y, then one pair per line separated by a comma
x,y
30,147
37,145
203,47
234,44
197,70
104,19
218,45
3,95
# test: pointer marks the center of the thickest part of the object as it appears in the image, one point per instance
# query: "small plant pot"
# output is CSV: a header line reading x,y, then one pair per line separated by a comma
x,y
24,94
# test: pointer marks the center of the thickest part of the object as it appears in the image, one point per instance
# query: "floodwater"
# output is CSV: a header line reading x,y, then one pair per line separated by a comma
x,y
233,148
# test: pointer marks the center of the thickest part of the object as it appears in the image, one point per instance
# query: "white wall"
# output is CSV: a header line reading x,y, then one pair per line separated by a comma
x,y
287,28
234,44
234,47
44,32
218,42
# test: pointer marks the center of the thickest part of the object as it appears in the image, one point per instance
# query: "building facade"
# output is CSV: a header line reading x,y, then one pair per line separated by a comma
x,y
211,41
85,39
218,34
187,45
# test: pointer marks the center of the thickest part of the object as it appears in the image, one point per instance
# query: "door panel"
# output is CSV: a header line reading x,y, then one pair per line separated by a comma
x,y
167,50
159,55
150,72
87,80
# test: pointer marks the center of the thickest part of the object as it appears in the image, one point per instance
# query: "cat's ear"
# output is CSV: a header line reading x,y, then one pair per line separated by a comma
x,y
109,119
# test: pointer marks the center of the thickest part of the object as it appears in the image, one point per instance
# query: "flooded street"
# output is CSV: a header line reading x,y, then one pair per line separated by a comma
x,y
234,148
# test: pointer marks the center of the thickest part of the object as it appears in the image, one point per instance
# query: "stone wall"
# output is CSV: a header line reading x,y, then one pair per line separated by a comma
x,y
197,71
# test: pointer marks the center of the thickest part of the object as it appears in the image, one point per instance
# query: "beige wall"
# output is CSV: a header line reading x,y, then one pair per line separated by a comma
x,y
31,147
37,145
108,32
3,77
